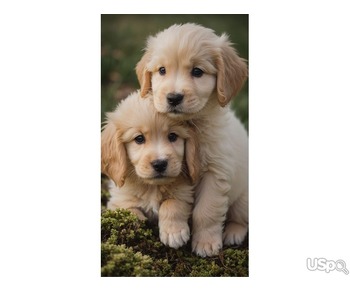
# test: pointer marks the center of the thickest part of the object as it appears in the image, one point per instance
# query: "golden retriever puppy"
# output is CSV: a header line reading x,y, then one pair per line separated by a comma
x,y
153,162
193,74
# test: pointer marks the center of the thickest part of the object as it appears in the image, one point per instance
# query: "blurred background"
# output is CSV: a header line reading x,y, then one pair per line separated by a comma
x,y
123,37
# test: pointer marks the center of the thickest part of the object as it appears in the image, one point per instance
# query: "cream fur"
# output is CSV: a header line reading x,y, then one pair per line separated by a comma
x,y
135,184
221,206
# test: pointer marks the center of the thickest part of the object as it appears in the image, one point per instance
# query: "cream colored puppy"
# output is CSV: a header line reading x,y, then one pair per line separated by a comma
x,y
153,162
193,74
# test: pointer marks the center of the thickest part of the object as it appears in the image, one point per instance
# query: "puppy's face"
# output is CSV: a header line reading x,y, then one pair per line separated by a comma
x,y
156,150
186,66
182,86
139,141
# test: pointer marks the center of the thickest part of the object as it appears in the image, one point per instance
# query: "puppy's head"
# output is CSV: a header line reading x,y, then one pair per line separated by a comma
x,y
140,143
187,65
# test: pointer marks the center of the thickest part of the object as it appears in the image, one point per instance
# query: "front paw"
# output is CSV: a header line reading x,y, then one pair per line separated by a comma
x,y
206,243
174,234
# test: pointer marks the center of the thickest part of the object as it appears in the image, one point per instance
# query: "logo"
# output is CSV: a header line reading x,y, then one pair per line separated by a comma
x,y
323,264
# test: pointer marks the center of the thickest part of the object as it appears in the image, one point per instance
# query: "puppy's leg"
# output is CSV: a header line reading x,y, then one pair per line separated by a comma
x,y
173,222
123,199
209,215
237,221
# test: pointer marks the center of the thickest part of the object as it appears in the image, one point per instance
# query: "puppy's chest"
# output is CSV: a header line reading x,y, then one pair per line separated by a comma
x,y
209,146
154,197
215,144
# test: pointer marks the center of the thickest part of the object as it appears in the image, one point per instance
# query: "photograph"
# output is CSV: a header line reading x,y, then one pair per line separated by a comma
x,y
174,145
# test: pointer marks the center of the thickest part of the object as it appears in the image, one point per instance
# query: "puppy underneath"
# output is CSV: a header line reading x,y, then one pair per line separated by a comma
x,y
193,74
153,162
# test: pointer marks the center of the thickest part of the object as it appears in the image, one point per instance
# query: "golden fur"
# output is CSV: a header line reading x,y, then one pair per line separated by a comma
x,y
136,142
193,74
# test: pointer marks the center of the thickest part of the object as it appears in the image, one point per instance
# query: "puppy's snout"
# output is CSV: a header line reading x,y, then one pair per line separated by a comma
x,y
159,165
174,98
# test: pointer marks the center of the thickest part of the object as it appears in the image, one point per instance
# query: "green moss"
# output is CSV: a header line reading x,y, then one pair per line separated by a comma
x,y
118,260
131,247
121,227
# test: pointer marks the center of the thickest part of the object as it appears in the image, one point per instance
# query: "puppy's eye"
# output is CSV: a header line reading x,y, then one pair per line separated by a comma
x,y
162,71
196,72
140,139
172,137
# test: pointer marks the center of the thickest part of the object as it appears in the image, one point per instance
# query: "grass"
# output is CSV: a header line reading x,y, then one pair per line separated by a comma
x,y
130,247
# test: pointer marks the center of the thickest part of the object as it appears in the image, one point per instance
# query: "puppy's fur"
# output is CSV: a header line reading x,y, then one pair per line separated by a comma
x,y
193,74
153,162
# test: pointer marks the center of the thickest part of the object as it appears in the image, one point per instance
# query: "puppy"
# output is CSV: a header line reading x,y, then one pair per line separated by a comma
x,y
153,162
193,74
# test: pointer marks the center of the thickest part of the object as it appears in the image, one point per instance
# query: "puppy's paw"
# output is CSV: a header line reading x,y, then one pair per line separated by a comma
x,y
206,243
174,234
234,233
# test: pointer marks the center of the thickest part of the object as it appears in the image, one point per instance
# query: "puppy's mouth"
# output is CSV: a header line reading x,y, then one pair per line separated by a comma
x,y
179,112
175,110
159,176
179,115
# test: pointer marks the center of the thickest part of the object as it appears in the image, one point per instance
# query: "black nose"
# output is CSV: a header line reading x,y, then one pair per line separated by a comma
x,y
175,98
159,165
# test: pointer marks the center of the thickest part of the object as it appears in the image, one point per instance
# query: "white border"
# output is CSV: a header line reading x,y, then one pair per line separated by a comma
x,y
299,146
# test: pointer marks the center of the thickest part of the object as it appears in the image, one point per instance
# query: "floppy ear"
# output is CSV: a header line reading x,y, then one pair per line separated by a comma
x,y
192,155
143,75
232,72
113,155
